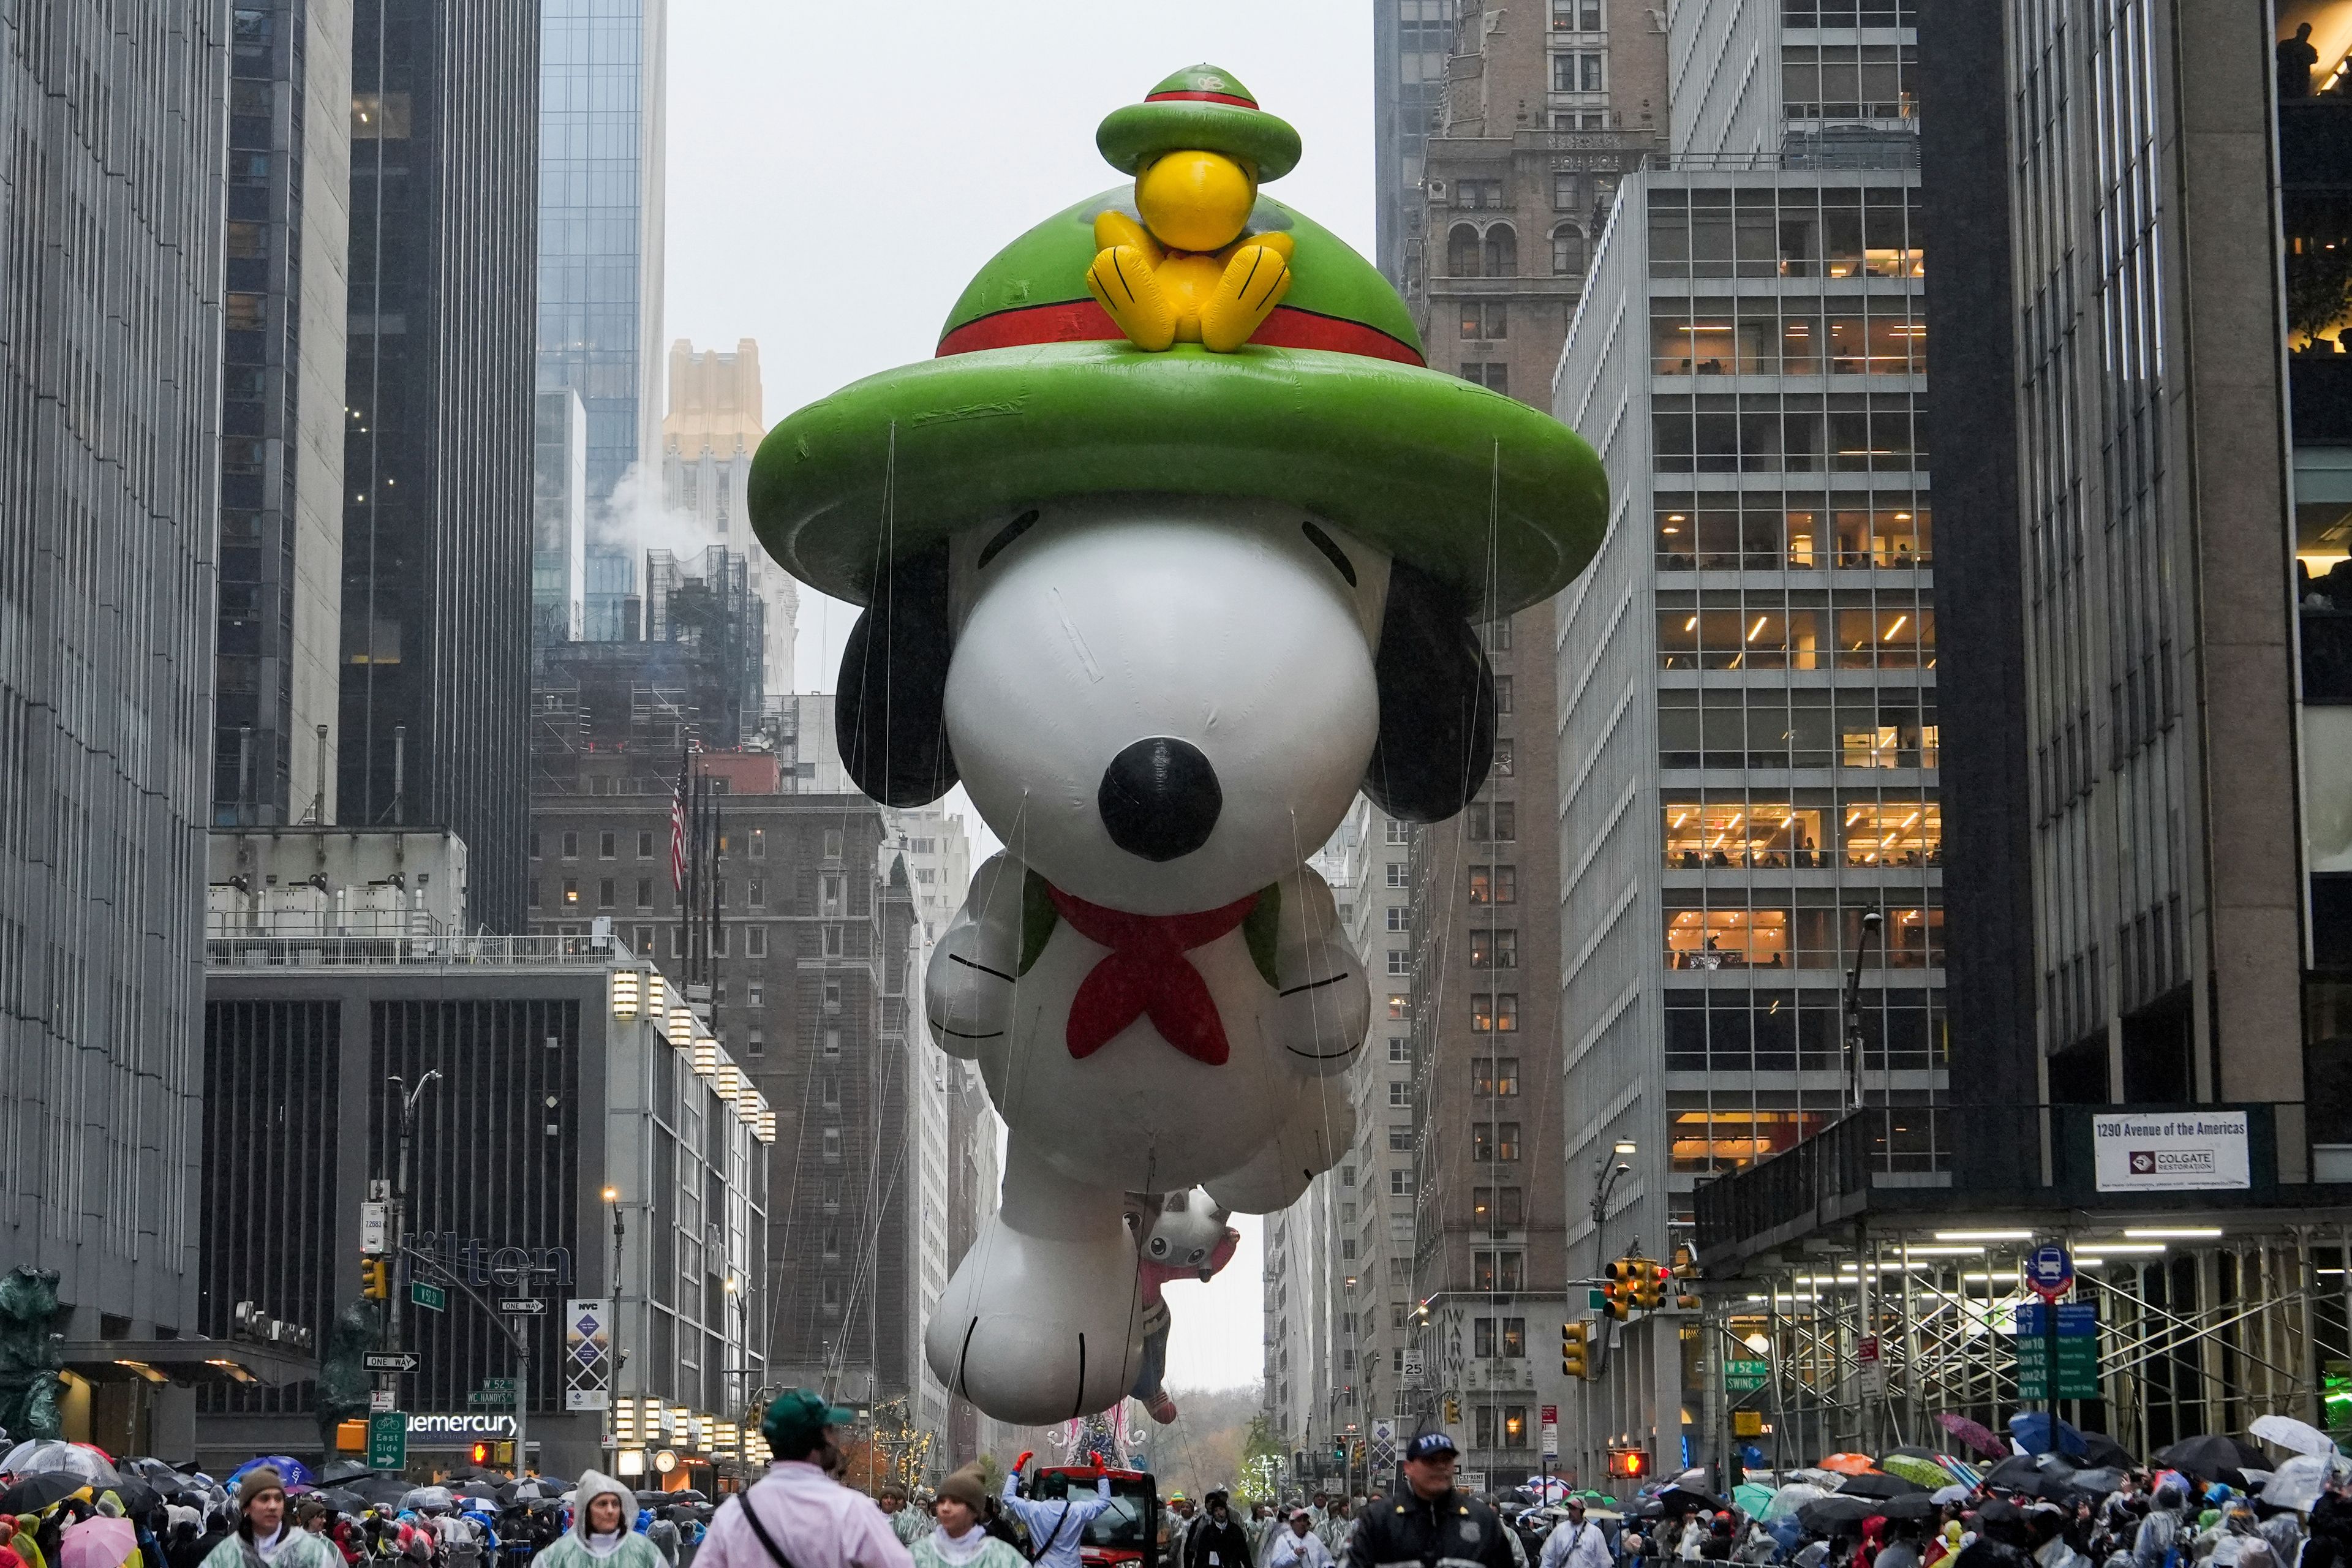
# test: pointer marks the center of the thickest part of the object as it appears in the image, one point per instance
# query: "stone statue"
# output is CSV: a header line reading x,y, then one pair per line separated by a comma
x,y
344,1381
29,1361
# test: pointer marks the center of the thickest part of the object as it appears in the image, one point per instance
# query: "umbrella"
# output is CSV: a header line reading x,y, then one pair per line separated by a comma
x,y
153,1468
2017,1473
2294,1436
1878,1484
41,1455
292,1471
2032,1428
1848,1464
1975,1434
652,1496
1913,1468
342,1499
343,1471
2208,1454
481,1490
2097,1482
1961,1470
1789,1499
1827,1515
99,1542
1679,1498
427,1496
381,1491
2298,1483
137,1497
1826,1480
1910,1505
1753,1497
1953,1493
37,1493
1550,1488
687,1494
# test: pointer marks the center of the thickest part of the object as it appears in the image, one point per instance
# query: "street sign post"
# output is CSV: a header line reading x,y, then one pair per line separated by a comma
x,y
524,1306
2067,1336
494,1391
391,1361
387,1444
432,1297
1870,1371
1746,1376
1551,1431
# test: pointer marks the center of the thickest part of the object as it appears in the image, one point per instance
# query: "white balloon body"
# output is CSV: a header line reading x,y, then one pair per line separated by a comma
x,y
1226,625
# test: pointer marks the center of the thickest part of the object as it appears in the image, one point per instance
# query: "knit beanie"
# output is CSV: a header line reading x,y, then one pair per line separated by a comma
x,y
259,1479
966,1487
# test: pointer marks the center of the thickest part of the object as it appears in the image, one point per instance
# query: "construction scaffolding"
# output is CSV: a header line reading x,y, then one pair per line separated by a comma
x,y
1866,1340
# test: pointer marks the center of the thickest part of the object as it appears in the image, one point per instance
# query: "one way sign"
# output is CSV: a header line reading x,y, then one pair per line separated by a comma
x,y
390,1361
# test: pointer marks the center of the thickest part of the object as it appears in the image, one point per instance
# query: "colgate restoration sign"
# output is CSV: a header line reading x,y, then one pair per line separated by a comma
x,y
2188,1150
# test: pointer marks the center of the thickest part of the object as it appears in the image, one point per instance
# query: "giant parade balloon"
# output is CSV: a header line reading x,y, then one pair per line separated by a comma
x,y
1175,546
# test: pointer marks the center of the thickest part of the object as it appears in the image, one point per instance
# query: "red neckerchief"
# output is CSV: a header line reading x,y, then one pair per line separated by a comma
x,y
1146,972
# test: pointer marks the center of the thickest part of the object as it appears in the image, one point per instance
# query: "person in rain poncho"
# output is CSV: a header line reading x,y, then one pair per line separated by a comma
x,y
2221,1542
263,1538
1576,1542
907,1523
1296,1545
956,1539
2157,1541
600,1536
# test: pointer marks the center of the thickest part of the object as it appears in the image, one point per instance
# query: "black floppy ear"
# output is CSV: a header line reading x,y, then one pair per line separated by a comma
x,y
889,719
1438,702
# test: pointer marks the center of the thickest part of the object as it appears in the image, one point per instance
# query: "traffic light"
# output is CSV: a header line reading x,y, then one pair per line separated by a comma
x,y
1629,1464
1339,1450
1576,1350
1617,1289
375,1278
1649,1293
1454,1410
1685,1298
481,1453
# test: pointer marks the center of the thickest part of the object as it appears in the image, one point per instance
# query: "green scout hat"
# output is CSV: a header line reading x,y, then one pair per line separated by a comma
x,y
1037,396
795,1422
1199,107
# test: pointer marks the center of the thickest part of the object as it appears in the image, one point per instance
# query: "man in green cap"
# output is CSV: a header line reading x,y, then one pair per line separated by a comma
x,y
796,1516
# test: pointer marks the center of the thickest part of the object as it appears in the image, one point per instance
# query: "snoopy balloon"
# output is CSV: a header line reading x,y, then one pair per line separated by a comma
x,y
1164,578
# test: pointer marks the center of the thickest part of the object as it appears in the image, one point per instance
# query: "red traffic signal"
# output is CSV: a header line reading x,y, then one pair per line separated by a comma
x,y
1629,1464
481,1453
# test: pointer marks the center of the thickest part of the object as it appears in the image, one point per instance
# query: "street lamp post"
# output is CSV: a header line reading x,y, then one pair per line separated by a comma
x,y
612,1444
1871,924
406,1099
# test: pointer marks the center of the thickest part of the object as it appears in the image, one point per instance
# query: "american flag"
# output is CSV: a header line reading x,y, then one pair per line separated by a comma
x,y
678,828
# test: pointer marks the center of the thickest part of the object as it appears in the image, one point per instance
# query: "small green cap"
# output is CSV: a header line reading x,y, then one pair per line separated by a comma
x,y
1199,108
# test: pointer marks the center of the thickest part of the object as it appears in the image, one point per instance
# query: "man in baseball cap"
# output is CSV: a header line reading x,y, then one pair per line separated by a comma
x,y
1425,1519
825,1525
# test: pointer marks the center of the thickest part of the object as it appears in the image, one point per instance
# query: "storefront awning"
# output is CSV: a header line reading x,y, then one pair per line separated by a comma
x,y
187,1360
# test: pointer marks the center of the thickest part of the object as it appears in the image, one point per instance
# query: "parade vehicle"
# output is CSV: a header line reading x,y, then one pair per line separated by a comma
x,y
1127,1530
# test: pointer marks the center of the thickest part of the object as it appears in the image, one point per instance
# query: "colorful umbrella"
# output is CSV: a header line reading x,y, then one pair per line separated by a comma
x,y
1927,1472
1961,1470
290,1470
1753,1497
1975,1434
1849,1464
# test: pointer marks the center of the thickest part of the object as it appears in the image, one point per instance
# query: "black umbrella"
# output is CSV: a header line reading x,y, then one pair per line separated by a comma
x,y
2095,1483
481,1490
1685,1500
2209,1455
343,1499
342,1470
1911,1505
137,1497
652,1496
2103,1452
1829,1515
2018,1472
1877,1484
38,1491
382,1492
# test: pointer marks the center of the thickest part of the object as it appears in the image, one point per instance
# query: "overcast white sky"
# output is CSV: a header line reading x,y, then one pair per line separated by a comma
x,y
837,173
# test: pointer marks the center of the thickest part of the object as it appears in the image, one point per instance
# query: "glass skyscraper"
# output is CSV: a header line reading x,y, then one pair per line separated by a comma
x,y
600,73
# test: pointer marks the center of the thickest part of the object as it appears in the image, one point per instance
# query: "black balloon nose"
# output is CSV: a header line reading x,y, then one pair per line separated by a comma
x,y
1159,798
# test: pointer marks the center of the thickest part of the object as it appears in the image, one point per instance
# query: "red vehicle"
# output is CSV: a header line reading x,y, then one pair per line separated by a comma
x,y
1127,1531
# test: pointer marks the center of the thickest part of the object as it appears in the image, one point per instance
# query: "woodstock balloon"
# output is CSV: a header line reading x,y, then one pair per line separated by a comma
x,y
1174,547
